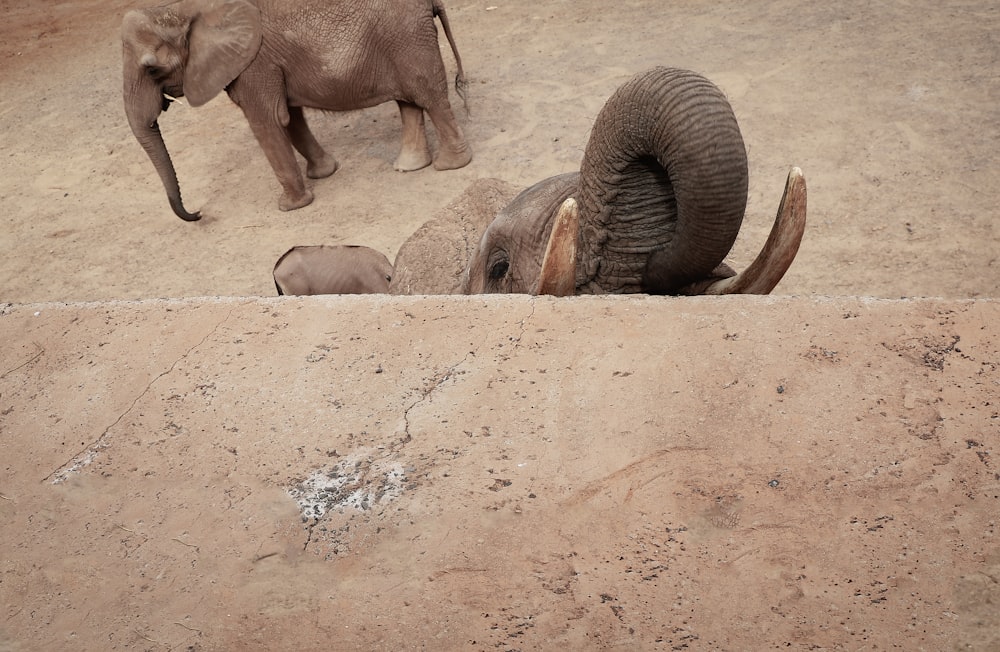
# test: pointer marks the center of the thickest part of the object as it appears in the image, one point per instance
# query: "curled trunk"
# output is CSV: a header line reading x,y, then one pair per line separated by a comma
x,y
663,185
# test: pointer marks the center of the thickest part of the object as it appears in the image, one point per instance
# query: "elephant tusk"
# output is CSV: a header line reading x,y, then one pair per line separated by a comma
x,y
779,251
558,275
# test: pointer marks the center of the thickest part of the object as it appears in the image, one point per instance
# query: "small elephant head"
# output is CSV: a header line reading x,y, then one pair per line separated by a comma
x,y
655,208
192,49
332,269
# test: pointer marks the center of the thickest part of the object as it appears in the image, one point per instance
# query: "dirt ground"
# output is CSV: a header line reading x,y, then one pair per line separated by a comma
x,y
177,428
891,110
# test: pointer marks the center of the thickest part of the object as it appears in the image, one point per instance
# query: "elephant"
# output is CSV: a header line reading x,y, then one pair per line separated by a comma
x,y
276,57
430,261
655,208
433,259
332,269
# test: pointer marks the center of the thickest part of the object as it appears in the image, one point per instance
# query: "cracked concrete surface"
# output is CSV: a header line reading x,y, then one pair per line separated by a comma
x,y
87,455
506,472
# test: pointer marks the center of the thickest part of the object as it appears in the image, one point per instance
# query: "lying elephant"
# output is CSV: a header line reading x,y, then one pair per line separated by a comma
x,y
655,208
273,58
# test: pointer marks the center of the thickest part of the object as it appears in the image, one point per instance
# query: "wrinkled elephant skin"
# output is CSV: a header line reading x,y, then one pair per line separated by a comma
x,y
274,58
655,208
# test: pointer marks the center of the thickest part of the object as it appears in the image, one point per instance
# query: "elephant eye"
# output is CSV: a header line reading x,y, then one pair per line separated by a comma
x,y
499,270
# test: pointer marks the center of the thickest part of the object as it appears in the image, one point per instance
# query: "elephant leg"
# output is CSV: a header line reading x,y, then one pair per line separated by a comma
x,y
274,140
453,151
319,164
414,153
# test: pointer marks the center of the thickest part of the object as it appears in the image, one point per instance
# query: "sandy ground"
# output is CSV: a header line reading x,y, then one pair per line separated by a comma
x,y
891,110
803,472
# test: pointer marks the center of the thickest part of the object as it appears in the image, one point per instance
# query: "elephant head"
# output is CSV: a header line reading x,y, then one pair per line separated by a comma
x,y
655,208
332,269
192,48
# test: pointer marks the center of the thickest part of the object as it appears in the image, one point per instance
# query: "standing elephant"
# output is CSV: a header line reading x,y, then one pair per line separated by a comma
x,y
275,57
655,208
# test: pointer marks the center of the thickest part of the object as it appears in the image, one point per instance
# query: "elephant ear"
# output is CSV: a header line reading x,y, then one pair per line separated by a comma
x,y
224,38
558,275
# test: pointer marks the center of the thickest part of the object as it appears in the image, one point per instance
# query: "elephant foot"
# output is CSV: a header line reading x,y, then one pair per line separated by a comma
x,y
410,161
453,160
322,168
290,203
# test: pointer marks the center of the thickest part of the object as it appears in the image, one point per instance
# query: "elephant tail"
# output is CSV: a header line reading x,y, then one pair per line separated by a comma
x,y
460,82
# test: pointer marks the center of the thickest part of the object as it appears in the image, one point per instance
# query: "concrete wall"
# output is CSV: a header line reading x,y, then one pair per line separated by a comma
x,y
503,473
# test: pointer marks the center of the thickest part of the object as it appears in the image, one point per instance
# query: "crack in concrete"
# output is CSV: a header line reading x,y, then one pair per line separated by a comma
x,y
89,452
425,393
309,533
41,352
525,321
439,380
448,374
392,449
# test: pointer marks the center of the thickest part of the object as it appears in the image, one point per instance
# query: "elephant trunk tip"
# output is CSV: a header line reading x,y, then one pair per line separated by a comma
x,y
181,212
